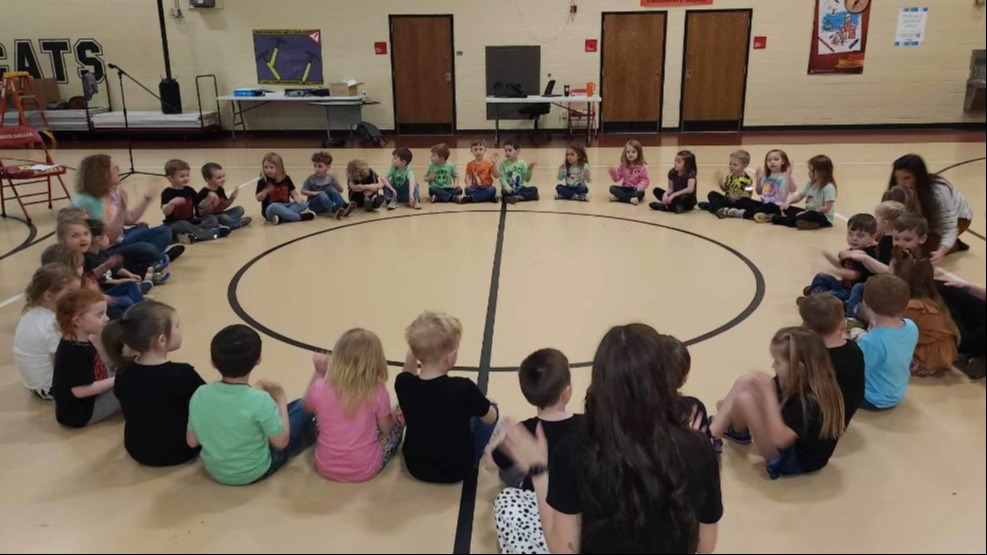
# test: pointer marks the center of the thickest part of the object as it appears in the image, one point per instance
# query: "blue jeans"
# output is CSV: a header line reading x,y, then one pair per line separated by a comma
x,y
402,195
625,194
856,299
159,236
303,435
523,193
143,247
232,218
568,192
825,283
482,433
444,194
482,194
285,211
326,202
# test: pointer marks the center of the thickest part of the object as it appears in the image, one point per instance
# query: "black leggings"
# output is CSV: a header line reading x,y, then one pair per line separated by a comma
x,y
687,202
970,315
792,216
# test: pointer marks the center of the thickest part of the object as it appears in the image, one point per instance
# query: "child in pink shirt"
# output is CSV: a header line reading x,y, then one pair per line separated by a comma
x,y
631,178
358,434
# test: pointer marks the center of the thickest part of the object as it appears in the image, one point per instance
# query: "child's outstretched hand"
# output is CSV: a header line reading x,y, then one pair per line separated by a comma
x,y
234,194
495,157
321,363
532,166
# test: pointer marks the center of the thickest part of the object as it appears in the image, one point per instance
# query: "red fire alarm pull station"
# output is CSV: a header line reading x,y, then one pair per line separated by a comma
x,y
380,48
760,43
592,45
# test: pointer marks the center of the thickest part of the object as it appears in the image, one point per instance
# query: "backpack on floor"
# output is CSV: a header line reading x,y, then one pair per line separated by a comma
x,y
369,135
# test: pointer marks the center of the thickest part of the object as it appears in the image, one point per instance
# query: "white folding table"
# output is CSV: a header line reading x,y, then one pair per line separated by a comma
x,y
562,101
346,108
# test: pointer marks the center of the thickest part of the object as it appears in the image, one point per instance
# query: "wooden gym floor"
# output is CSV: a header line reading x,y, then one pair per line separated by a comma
x,y
910,480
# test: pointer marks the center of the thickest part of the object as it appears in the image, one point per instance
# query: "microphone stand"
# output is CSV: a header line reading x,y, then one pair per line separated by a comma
x,y
126,121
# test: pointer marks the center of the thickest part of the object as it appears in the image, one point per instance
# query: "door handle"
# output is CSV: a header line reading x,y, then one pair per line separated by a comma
x,y
448,77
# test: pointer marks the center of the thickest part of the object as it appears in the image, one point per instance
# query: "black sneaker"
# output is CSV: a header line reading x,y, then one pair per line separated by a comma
x,y
975,369
679,209
349,209
173,252
340,213
377,203
961,246
307,215
704,206
657,206
223,231
466,199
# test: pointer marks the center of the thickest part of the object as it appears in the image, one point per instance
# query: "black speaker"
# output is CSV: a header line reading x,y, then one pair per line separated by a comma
x,y
171,96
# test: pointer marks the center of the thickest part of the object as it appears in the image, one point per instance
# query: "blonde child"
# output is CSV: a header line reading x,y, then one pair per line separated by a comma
x,y
358,433
442,178
450,421
819,195
402,180
680,197
367,189
213,200
887,213
631,178
37,337
480,174
736,186
81,384
938,336
773,183
513,173
575,175
796,418
280,200
154,393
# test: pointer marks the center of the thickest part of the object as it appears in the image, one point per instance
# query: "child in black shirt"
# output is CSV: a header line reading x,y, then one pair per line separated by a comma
x,y
823,314
178,202
861,236
212,199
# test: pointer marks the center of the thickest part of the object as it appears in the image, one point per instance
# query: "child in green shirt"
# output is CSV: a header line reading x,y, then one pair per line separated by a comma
x,y
442,178
514,173
402,181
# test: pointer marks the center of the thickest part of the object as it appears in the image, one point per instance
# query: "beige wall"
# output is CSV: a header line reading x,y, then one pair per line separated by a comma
x,y
899,85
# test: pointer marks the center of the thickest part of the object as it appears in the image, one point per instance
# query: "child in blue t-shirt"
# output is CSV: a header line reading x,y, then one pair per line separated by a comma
x,y
890,345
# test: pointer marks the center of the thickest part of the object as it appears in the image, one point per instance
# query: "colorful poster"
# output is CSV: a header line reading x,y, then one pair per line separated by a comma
x,y
288,57
911,27
839,40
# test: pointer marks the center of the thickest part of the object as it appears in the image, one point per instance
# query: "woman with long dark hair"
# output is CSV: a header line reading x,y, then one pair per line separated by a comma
x,y
637,479
948,211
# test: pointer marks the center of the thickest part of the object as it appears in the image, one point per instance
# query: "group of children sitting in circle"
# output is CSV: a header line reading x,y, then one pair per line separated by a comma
x,y
638,472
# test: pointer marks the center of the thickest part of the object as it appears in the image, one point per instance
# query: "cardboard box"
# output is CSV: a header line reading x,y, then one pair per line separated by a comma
x,y
47,91
345,88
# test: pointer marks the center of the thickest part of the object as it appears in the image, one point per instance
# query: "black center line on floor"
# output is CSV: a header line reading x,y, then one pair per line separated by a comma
x,y
467,501
32,232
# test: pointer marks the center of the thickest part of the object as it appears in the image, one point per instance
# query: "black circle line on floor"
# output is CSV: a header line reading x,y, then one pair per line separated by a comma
x,y
32,232
238,309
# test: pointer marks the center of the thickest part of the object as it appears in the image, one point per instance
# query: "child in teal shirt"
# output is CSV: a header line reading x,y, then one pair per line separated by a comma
x,y
574,175
514,173
442,178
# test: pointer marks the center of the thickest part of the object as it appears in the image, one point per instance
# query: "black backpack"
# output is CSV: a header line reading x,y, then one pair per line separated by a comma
x,y
369,135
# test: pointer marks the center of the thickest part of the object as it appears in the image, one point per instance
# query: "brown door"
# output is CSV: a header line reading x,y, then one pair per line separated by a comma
x,y
714,81
632,73
424,79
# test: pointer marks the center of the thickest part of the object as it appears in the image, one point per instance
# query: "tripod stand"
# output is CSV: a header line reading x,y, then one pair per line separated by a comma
x,y
126,121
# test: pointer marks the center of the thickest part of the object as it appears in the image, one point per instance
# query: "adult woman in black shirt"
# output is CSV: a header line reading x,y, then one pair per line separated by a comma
x,y
637,479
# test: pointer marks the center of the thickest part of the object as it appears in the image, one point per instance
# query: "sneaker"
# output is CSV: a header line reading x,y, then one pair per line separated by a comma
x,y
581,198
635,201
186,238
762,218
307,215
736,213
919,370
275,220
433,200
340,213
146,287
961,246
803,225
223,231
172,252
393,205
975,369
245,221
513,199
418,205
657,206
160,278
456,199
349,209
558,196
614,199
377,203
723,213
704,206
465,199
740,438
679,209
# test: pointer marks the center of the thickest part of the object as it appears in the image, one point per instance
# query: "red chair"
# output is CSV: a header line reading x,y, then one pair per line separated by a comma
x,y
16,174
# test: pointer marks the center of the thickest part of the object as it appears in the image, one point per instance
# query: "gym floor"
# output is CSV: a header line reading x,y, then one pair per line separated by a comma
x,y
533,275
